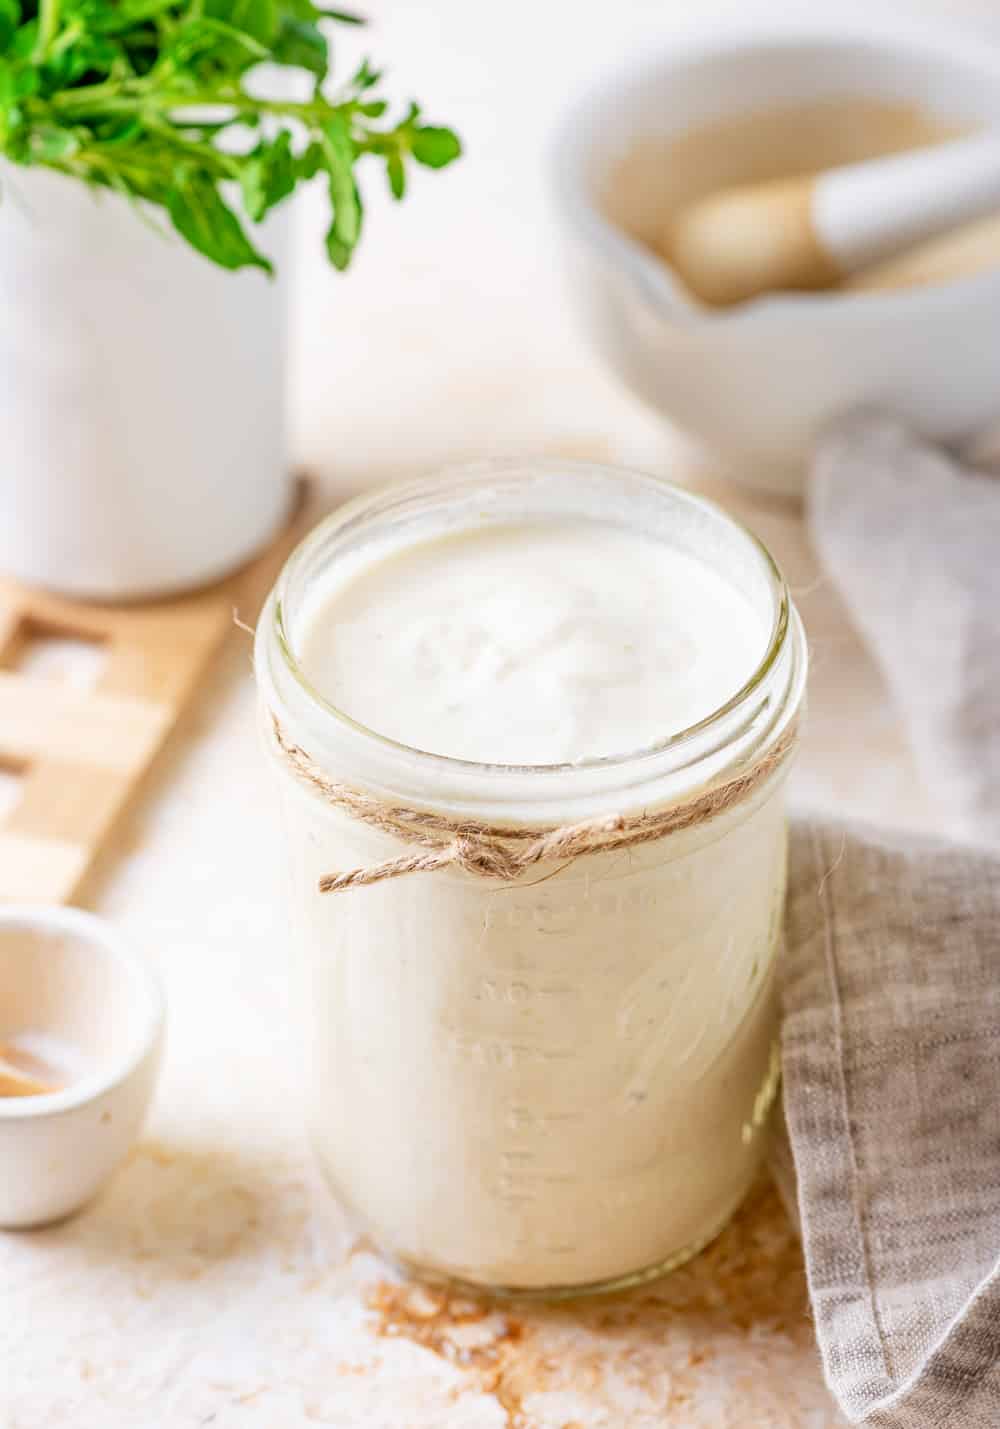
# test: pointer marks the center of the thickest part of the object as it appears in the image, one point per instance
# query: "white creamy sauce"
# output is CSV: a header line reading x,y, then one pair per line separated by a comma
x,y
561,1081
539,643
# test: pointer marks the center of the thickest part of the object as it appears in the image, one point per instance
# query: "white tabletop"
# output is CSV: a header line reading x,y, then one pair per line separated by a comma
x,y
213,1283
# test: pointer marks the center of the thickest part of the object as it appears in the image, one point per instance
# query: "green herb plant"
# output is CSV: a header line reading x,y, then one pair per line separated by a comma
x,y
162,101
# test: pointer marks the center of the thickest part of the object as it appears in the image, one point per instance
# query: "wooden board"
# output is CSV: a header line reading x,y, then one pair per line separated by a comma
x,y
80,752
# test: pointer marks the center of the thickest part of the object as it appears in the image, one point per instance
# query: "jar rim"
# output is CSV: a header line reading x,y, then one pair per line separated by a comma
x,y
467,477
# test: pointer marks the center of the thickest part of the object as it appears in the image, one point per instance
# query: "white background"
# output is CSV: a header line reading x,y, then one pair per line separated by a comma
x,y
452,335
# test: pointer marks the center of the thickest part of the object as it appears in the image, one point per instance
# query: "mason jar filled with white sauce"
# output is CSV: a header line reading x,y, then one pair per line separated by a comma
x,y
532,723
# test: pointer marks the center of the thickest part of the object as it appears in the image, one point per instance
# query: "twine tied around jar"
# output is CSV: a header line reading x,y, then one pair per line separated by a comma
x,y
502,853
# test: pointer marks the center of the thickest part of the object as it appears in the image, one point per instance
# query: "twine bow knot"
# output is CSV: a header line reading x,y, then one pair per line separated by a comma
x,y
503,854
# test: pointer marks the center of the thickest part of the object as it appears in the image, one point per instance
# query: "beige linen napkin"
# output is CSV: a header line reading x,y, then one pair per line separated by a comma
x,y
912,540
892,1098
892,981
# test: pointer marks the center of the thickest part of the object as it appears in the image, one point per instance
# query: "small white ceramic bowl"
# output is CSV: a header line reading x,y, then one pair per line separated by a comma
x,y
757,383
65,975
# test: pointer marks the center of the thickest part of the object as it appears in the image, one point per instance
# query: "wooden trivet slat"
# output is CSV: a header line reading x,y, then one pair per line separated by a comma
x,y
81,754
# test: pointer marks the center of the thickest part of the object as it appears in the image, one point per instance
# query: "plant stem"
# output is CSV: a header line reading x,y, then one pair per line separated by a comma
x,y
129,97
48,25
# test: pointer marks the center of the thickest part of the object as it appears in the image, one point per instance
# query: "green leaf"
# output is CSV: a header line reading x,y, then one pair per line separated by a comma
x,y
306,10
435,147
8,85
10,18
26,83
257,18
396,173
364,77
268,175
22,46
338,154
200,215
71,59
302,46
220,44
49,143
310,162
115,19
338,252
11,114
197,41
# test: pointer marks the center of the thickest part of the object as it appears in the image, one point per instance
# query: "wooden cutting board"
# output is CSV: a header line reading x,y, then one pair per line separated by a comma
x,y
78,752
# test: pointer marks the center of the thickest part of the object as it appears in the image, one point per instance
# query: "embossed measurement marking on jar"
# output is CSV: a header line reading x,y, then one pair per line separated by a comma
x,y
525,1183
518,1179
502,1052
520,1166
566,914
548,1243
523,1118
519,993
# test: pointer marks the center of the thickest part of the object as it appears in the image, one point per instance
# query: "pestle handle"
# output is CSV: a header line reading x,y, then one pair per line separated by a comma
x,y
811,231
870,211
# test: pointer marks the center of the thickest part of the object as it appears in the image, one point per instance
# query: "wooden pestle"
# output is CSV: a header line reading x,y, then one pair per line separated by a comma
x,y
811,231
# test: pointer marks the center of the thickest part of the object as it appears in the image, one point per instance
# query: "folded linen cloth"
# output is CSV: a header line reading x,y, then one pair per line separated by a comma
x,y
911,539
891,1037
892,1098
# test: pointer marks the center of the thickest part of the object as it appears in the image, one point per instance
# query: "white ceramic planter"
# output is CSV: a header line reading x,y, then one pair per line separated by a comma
x,y
141,398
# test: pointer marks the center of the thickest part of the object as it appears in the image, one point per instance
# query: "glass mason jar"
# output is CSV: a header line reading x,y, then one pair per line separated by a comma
x,y
560,1083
